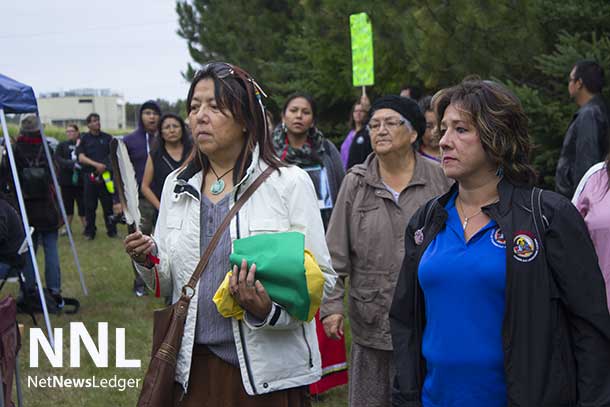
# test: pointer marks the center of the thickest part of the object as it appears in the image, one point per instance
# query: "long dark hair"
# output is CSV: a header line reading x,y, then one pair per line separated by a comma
x,y
314,113
312,104
236,90
352,123
500,120
186,139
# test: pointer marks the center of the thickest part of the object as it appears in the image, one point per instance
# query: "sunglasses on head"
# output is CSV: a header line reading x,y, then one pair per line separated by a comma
x,y
223,70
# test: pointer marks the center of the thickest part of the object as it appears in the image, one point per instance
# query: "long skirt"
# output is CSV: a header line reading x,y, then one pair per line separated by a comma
x,y
334,361
372,371
214,382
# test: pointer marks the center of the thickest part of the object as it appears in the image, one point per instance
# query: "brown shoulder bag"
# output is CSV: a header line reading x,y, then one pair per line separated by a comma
x,y
168,328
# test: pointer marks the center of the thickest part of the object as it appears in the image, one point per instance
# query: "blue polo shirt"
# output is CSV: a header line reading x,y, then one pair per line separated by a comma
x,y
463,284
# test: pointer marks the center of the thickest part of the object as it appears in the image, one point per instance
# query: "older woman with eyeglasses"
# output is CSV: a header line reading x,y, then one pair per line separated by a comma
x,y
267,358
365,237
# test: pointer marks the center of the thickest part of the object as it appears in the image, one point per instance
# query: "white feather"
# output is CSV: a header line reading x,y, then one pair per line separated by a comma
x,y
130,185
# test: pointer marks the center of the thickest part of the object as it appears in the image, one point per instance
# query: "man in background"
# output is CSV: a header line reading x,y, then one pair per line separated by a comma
x,y
138,146
586,141
94,155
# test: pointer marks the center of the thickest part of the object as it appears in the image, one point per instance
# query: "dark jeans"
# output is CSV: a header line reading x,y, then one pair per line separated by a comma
x,y
51,262
93,192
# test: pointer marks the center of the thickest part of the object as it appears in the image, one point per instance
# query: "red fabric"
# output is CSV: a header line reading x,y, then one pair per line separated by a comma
x,y
334,361
29,139
155,261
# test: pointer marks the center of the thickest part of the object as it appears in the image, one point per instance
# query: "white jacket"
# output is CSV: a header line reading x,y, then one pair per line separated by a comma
x,y
283,351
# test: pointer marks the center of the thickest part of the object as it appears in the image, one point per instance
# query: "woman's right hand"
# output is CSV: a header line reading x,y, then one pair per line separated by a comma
x,y
138,246
333,326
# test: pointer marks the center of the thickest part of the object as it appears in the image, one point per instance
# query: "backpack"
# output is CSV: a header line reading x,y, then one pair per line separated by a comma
x,y
35,178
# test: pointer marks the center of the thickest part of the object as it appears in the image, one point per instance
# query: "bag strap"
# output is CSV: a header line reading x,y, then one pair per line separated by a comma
x,y
203,262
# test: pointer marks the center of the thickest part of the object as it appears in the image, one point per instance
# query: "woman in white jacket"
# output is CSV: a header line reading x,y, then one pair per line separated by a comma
x,y
269,357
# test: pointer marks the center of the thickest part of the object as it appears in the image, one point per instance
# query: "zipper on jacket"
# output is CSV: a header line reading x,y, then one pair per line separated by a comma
x,y
428,238
308,347
247,360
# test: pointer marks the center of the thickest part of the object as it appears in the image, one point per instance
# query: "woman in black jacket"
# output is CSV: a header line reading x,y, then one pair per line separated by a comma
x,y
69,174
500,300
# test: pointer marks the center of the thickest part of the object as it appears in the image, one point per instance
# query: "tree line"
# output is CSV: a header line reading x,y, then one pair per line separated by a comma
x,y
529,45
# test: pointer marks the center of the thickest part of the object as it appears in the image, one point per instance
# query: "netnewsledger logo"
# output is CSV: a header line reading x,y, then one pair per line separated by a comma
x,y
78,335
54,353
93,382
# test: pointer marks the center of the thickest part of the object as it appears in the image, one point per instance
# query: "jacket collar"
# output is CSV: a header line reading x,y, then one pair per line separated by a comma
x,y
369,170
190,178
498,209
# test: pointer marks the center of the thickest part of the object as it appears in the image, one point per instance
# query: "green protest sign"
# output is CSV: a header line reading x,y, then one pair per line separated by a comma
x,y
363,72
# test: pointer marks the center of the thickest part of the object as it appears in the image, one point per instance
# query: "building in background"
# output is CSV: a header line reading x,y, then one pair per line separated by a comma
x,y
73,106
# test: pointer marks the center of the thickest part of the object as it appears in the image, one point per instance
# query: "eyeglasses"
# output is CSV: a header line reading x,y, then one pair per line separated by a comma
x,y
390,124
223,70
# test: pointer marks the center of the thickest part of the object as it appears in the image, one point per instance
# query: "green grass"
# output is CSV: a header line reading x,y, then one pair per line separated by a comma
x,y
109,276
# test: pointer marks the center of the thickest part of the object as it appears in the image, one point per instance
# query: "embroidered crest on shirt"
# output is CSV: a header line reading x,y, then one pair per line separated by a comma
x,y
497,238
525,246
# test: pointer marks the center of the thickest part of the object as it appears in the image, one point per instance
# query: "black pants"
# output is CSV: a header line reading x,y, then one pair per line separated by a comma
x,y
93,192
69,194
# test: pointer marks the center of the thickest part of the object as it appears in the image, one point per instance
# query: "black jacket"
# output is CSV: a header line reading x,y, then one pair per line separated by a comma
x,y
585,144
556,327
66,159
42,210
360,148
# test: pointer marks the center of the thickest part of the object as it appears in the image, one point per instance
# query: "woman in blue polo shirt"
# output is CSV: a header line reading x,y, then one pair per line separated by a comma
x,y
500,300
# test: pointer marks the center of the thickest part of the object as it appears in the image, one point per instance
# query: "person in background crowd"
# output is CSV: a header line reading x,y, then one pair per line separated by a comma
x,y
168,153
592,199
138,146
357,120
267,358
94,155
492,306
298,141
360,149
411,91
41,205
70,179
428,147
587,138
364,237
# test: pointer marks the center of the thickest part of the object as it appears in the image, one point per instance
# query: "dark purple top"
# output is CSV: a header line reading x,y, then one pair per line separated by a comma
x,y
138,151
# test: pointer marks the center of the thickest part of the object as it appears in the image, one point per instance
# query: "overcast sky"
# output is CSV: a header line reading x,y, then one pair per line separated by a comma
x,y
129,46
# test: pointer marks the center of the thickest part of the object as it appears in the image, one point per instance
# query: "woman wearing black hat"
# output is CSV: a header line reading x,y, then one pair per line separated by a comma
x,y
365,235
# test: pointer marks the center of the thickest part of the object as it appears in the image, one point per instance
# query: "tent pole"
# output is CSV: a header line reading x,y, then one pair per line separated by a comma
x,y
26,225
62,208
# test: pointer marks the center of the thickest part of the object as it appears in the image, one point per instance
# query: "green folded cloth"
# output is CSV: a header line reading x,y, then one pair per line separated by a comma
x,y
280,267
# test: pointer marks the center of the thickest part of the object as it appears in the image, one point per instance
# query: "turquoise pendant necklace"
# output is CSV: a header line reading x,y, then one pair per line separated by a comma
x,y
219,185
